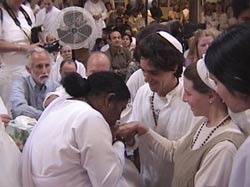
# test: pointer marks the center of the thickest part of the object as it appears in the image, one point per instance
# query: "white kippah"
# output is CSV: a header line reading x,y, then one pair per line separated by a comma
x,y
172,40
204,74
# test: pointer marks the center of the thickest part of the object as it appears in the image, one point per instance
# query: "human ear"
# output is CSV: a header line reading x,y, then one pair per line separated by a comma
x,y
212,96
28,69
109,98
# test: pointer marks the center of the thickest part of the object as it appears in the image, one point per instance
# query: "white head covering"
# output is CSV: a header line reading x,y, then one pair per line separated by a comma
x,y
172,40
204,74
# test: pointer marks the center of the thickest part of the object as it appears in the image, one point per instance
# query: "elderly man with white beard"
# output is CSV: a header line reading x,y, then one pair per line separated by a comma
x,y
29,92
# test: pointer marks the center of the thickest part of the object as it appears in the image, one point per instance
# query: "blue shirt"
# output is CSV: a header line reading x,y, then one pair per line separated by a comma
x,y
27,97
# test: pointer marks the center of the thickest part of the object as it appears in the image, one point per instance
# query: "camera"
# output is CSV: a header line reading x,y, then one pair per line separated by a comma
x,y
52,47
37,36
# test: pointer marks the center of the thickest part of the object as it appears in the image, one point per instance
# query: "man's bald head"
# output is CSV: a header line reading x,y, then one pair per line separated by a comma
x,y
97,61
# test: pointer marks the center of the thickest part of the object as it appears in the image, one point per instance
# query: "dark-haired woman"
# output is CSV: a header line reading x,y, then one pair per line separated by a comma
x,y
72,143
228,61
204,156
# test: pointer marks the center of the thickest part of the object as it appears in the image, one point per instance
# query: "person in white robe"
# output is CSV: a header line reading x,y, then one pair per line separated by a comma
x,y
72,143
99,12
158,103
48,17
14,45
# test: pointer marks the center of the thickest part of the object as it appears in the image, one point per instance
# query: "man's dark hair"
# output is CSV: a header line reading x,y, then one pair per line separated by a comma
x,y
161,54
239,6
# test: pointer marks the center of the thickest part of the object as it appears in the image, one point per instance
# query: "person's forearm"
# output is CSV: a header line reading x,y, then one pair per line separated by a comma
x,y
26,110
141,130
11,46
17,47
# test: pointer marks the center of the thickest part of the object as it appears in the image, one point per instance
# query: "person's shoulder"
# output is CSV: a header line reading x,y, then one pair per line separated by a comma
x,y
137,76
40,12
55,9
28,10
244,148
84,110
125,50
22,79
52,83
144,90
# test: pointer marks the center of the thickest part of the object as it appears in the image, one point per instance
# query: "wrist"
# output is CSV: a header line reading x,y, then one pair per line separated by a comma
x,y
141,130
19,47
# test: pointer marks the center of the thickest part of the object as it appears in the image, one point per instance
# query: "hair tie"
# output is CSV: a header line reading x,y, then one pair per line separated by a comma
x,y
171,39
204,74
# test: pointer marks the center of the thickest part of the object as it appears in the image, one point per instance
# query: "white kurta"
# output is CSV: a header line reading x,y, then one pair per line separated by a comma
x,y
48,20
241,166
242,119
97,9
175,120
71,145
215,169
13,63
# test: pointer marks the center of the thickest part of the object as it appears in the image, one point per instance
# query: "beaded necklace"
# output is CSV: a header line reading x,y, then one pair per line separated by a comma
x,y
224,120
153,108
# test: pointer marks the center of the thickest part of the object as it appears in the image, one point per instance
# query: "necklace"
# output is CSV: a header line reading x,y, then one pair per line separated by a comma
x,y
223,121
153,108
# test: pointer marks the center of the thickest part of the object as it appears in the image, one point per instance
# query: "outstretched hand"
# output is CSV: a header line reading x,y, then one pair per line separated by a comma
x,y
130,129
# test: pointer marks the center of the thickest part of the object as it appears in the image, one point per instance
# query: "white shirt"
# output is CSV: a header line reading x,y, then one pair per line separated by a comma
x,y
215,169
242,119
97,9
10,29
59,92
241,166
135,81
174,121
48,20
55,70
71,145
13,63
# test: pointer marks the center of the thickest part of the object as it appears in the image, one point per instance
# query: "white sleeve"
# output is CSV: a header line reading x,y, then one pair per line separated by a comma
x,y
241,167
39,17
160,145
136,107
104,11
216,167
102,161
81,69
135,81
